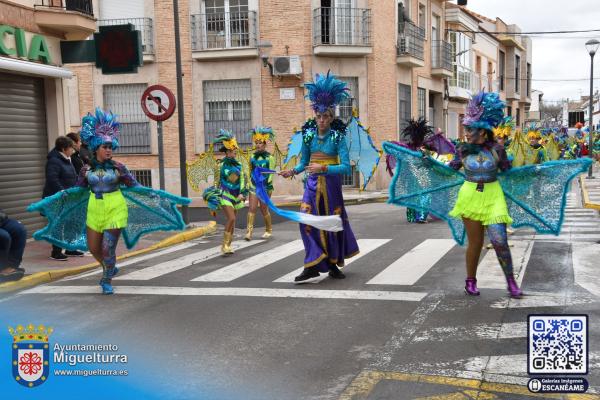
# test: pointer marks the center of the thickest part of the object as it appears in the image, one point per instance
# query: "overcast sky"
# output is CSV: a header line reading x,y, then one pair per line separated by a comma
x,y
555,57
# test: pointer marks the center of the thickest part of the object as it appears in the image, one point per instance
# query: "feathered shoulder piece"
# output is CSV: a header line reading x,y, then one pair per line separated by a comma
x,y
416,131
309,130
227,138
98,129
504,130
484,111
326,91
263,134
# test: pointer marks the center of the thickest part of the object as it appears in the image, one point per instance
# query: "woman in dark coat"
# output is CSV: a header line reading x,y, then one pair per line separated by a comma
x,y
60,175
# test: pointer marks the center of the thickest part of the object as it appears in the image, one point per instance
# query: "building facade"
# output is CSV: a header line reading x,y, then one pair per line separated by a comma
x,y
35,100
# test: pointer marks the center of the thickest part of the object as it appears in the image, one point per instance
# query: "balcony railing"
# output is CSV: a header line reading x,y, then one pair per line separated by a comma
x,y
83,6
411,41
465,78
490,84
223,30
338,26
441,55
144,25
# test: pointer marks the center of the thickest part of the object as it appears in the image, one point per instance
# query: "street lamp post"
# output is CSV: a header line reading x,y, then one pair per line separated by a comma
x,y
592,47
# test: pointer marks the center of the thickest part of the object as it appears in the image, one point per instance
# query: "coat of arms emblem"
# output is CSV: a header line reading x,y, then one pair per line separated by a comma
x,y
30,354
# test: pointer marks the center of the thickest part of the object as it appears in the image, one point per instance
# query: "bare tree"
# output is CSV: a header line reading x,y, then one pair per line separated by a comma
x,y
551,114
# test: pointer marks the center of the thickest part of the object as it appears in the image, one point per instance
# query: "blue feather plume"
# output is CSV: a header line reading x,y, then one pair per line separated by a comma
x,y
326,91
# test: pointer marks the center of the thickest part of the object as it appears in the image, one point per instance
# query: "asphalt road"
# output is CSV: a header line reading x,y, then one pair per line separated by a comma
x,y
223,327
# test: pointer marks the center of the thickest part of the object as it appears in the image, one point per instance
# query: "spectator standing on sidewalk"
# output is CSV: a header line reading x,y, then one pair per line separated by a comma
x,y
78,159
60,175
13,237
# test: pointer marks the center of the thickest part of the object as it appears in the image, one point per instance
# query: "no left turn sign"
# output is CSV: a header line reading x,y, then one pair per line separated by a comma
x,y
158,103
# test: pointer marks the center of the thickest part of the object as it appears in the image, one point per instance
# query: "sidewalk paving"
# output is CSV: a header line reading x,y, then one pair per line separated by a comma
x,y
590,188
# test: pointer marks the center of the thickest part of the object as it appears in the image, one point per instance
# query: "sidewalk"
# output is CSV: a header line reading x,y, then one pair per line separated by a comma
x,y
39,268
590,188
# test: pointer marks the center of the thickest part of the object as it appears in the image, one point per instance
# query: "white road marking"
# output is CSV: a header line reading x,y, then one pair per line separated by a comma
x,y
489,272
507,330
238,292
409,268
365,245
254,263
585,266
157,270
141,258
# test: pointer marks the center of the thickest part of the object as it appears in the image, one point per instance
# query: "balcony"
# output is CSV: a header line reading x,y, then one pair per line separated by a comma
x,y
72,18
441,59
224,35
464,83
342,32
146,28
490,84
411,44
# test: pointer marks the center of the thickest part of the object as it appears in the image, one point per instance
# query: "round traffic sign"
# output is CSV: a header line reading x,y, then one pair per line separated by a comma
x,y
158,102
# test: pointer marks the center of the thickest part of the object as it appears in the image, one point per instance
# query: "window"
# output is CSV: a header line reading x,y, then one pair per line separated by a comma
x,y
143,176
421,93
431,116
124,101
502,66
518,117
528,80
509,111
404,105
227,105
435,27
517,73
422,16
226,24
344,110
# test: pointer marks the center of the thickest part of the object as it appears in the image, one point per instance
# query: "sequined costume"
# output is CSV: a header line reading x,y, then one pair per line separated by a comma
x,y
106,199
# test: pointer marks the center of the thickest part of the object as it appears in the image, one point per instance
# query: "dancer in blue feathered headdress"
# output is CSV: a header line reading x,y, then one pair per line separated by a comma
x,y
106,202
325,157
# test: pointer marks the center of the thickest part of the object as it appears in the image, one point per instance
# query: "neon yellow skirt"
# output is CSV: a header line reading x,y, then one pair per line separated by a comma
x,y
488,207
110,212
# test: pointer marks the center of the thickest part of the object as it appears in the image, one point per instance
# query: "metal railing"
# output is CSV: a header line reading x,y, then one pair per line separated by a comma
x,y
340,26
144,25
465,78
411,41
134,138
223,30
83,6
441,55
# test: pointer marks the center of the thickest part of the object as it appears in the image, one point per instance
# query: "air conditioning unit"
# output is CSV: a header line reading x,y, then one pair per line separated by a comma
x,y
288,65
403,44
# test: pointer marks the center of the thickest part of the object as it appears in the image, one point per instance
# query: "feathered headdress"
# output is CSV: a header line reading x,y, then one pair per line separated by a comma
x,y
533,133
228,139
99,129
263,134
326,91
416,131
504,130
484,111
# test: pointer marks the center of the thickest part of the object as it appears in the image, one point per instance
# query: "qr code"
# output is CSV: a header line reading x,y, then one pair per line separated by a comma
x,y
557,344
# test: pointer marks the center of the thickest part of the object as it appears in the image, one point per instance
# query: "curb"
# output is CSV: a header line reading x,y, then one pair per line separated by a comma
x,y
50,276
585,195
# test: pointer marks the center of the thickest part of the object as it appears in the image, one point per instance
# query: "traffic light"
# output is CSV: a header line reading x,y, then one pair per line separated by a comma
x,y
118,49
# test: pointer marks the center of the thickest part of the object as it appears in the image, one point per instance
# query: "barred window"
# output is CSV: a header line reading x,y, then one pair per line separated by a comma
x,y
421,101
404,105
228,105
143,176
345,107
124,101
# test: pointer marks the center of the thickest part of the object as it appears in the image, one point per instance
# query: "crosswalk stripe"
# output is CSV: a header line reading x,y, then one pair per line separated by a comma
x,y
236,291
409,268
365,245
157,270
585,270
489,272
136,260
254,263
568,224
506,330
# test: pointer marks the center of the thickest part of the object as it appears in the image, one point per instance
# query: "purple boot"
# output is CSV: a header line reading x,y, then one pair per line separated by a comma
x,y
513,287
471,287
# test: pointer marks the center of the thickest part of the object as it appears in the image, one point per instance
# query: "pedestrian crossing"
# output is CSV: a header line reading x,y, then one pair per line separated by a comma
x,y
381,264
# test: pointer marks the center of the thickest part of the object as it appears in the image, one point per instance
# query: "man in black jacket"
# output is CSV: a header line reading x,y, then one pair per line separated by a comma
x,y
13,238
60,175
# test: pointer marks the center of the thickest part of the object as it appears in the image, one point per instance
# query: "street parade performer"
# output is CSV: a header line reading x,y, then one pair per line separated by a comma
x,y
105,202
230,192
325,157
479,198
263,159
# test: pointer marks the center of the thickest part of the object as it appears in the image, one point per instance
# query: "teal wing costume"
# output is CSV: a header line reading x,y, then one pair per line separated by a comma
x,y
149,211
535,194
361,149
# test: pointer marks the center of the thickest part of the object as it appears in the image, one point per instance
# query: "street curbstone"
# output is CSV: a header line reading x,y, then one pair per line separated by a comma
x,y
585,195
49,276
